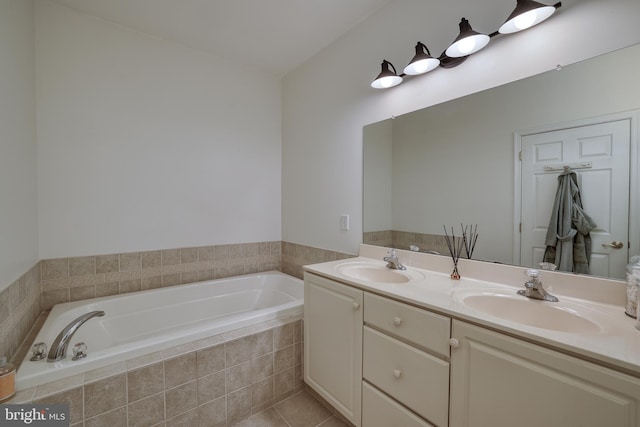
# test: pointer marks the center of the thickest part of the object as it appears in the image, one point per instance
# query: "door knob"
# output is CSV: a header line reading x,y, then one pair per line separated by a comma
x,y
615,245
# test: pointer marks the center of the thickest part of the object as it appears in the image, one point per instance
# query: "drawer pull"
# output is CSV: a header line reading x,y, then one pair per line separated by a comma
x,y
356,306
397,321
454,343
397,373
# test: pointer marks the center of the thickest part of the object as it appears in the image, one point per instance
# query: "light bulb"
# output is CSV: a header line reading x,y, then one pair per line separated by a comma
x,y
525,20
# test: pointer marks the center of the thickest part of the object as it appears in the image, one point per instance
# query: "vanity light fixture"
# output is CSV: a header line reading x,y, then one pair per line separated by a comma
x,y
386,78
467,42
422,62
526,14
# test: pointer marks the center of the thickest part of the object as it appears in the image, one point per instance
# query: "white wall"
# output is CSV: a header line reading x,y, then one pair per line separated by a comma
x,y
145,144
18,191
327,101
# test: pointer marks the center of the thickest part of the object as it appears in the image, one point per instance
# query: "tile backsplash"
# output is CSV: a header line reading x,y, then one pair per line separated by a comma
x,y
53,281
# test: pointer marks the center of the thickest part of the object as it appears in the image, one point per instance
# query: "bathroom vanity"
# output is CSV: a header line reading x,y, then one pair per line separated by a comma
x,y
415,348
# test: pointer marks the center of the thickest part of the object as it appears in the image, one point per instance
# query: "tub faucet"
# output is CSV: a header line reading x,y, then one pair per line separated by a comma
x,y
533,288
392,261
58,349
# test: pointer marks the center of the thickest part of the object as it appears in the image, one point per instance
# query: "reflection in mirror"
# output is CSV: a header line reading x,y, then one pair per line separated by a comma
x,y
458,163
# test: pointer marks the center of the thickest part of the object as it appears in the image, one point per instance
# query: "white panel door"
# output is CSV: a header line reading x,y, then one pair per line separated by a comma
x,y
599,154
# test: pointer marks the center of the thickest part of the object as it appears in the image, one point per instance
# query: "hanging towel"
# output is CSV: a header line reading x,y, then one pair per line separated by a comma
x,y
568,240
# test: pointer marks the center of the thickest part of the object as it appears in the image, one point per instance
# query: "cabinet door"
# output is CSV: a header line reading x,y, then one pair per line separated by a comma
x,y
498,380
333,343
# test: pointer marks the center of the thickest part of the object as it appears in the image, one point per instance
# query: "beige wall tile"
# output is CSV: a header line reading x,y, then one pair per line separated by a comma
x,y
151,259
53,297
262,392
104,395
284,382
145,381
211,387
117,417
126,286
171,279
55,268
206,253
171,256
283,336
188,255
130,261
82,266
146,412
72,397
238,405
283,359
189,277
181,399
238,376
180,370
107,263
262,343
188,419
261,367
213,414
83,292
210,360
107,289
208,274
151,282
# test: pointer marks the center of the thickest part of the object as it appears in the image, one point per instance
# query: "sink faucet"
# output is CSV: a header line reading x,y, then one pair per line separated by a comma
x,y
533,288
58,349
392,261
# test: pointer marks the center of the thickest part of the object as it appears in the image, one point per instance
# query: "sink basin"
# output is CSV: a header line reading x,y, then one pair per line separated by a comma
x,y
556,316
370,272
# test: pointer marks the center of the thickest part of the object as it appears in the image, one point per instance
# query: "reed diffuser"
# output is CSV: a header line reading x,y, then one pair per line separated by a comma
x,y
456,244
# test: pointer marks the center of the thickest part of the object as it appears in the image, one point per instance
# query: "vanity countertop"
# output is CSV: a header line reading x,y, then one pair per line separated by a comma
x,y
616,343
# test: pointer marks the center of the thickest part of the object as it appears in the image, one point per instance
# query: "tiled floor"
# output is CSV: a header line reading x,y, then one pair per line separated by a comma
x,y
300,410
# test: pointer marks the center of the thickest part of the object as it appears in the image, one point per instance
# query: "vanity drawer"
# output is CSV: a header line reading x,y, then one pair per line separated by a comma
x,y
378,410
427,330
417,379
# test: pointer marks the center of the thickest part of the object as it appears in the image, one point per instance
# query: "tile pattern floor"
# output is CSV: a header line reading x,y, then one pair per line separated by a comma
x,y
299,410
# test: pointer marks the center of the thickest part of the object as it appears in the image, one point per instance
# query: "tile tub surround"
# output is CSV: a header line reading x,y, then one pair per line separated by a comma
x,y
295,256
216,381
78,278
19,310
403,239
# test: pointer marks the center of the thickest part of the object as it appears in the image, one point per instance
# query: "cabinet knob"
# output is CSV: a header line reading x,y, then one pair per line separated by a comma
x,y
454,343
356,305
397,373
397,321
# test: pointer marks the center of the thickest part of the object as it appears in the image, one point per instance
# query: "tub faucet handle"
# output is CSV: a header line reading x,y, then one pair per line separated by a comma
x,y
38,351
79,351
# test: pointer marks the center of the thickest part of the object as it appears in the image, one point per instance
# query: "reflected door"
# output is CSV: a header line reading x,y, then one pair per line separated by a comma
x,y
599,154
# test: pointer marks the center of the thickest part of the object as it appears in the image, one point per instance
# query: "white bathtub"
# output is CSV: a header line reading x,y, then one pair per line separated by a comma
x,y
140,323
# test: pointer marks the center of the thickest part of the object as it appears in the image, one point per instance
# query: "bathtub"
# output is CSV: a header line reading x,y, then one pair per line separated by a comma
x,y
140,323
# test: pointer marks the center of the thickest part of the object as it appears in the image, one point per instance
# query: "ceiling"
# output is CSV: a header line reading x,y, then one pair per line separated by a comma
x,y
272,35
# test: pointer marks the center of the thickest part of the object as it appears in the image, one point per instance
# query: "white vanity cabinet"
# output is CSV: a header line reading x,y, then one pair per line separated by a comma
x,y
405,356
333,343
497,380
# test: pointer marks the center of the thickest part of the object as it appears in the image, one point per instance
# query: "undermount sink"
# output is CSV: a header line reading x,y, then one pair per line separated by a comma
x,y
556,316
370,272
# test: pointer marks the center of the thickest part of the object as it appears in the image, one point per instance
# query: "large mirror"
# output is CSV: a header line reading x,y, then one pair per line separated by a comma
x,y
459,163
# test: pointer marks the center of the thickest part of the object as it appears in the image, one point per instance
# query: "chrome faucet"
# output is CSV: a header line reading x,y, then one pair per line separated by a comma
x,y
58,349
533,288
392,261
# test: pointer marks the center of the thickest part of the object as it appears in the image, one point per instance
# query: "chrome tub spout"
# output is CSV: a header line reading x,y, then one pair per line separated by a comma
x,y
58,349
